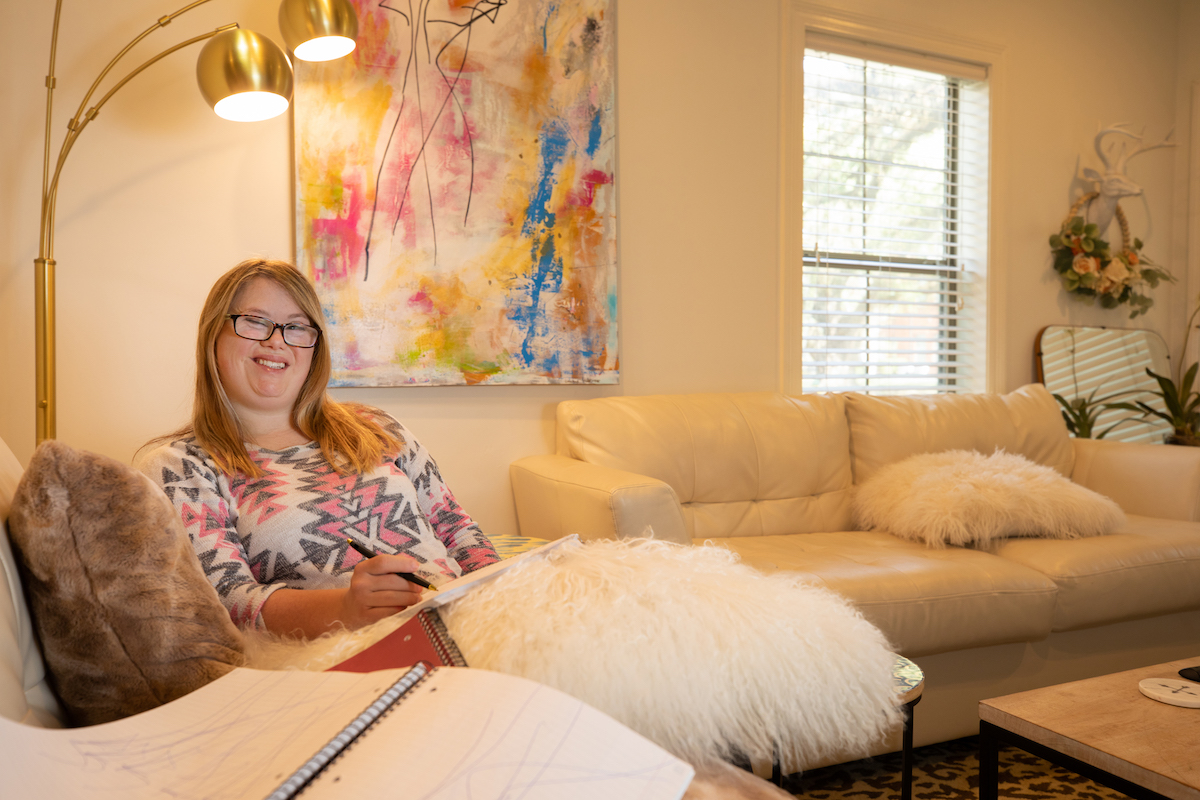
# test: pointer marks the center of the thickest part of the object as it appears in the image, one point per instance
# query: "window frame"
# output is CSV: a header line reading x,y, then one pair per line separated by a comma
x,y
802,20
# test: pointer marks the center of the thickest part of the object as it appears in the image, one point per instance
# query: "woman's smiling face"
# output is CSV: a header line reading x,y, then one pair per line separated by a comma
x,y
263,378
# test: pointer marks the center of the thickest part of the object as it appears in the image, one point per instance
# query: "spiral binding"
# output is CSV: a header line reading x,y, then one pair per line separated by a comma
x,y
443,642
338,745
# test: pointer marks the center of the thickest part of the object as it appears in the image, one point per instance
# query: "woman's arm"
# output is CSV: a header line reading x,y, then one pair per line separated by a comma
x,y
204,502
375,592
463,539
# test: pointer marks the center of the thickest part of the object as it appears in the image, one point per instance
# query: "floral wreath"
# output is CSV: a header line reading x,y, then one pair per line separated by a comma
x,y
1090,270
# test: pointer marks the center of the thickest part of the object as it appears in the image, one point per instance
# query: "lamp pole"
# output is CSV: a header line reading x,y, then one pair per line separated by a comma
x,y
44,264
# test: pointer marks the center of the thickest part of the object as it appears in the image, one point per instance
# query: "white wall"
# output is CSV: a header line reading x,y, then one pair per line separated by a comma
x,y
160,197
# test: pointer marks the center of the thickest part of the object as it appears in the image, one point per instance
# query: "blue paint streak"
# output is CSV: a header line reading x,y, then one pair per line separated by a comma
x,y
594,135
549,364
554,142
550,11
547,267
547,277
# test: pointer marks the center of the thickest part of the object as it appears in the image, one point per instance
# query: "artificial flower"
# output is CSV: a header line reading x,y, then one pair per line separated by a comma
x,y
1084,264
1091,271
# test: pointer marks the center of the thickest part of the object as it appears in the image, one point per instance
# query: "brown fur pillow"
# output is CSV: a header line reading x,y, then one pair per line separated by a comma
x,y
126,618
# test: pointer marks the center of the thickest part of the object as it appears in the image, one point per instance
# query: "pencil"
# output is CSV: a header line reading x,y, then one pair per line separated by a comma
x,y
366,552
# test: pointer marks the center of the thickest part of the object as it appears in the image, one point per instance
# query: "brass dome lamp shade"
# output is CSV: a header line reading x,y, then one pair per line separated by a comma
x,y
318,30
243,75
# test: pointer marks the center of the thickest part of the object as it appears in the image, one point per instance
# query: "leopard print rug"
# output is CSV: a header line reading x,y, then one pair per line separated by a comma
x,y
946,771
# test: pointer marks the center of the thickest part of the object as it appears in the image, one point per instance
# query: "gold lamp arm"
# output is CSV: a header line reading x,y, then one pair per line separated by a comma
x,y
44,264
263,76
161,23
77,124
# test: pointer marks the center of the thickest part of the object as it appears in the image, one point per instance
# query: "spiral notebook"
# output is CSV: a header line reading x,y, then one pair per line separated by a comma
x,y
431,733
423,638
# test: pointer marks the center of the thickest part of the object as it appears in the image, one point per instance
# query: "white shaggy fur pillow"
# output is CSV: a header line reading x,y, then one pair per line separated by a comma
x,y
961,497
699,653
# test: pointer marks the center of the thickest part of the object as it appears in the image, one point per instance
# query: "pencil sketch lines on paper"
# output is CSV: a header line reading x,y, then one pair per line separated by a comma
x,y
218,753
514,754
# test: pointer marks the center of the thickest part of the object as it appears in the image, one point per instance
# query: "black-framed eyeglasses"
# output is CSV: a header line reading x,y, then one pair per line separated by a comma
x,y
259,329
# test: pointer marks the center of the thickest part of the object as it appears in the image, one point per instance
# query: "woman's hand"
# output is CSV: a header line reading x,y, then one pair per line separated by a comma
x,y
376,591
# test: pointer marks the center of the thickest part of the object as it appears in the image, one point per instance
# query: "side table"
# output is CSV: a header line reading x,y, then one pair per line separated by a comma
x,y
908,681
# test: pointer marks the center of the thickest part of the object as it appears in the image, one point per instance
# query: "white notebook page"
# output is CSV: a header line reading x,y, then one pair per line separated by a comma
x,y
246,733
477,734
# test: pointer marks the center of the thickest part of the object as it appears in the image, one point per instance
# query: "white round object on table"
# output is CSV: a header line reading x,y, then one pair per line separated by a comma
x,y
1171,691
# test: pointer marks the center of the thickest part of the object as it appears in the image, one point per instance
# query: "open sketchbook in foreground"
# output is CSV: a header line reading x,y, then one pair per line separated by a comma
x,y
454,733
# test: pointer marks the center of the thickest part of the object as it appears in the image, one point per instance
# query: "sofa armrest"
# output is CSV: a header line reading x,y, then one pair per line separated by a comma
x,y
1151,480
557,496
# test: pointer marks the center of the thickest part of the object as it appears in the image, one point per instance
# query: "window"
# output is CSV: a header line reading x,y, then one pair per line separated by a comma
x,y
895,220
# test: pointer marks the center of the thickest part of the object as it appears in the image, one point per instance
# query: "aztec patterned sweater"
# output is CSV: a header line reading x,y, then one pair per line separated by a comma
x,y
288,527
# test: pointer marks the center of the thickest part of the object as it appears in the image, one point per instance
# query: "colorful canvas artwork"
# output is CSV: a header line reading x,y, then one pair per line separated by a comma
x,y
455,203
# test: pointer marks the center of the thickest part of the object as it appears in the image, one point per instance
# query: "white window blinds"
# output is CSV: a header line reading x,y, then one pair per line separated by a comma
x,y
895,221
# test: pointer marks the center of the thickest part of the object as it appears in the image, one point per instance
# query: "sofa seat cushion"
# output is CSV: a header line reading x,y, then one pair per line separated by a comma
x,y
925,601
819,512
1148,567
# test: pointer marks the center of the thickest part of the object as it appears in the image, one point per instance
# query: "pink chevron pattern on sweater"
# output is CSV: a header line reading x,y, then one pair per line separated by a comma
x,y
287,527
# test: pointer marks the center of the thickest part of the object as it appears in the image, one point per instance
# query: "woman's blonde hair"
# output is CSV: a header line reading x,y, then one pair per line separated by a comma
x,y
351,438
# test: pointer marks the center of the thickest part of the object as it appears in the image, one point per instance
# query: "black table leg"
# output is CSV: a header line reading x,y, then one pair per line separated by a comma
x,y
906,768
989,762
993,737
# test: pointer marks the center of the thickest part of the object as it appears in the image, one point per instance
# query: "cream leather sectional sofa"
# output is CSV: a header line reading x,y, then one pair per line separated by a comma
x,y
772,477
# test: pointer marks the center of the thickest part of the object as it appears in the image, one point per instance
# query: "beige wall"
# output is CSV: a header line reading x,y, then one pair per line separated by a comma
x,y
160,197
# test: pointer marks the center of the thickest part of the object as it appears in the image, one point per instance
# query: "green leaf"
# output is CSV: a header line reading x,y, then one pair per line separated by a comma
x,y
1148,411
1137,244
1087,245
1090,229
1169,395
1189,378
1062,262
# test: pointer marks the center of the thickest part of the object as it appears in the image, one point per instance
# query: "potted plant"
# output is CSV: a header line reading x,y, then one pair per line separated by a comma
x,y
1181,401
1082,413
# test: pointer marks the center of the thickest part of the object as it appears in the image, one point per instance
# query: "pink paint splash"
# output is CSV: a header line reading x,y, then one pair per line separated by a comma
x,y
422,302
586,194
337,240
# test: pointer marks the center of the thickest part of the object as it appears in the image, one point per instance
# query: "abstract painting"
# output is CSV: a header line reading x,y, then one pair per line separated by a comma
x,y
455,196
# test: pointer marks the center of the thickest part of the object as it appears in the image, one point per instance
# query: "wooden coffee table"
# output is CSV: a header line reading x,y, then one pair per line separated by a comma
x,y
1102,728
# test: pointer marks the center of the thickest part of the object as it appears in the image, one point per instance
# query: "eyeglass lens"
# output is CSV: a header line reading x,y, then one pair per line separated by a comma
x,y
260,329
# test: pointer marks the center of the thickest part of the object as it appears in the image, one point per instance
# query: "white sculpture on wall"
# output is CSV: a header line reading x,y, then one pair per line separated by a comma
x,y
1116,146
1090,267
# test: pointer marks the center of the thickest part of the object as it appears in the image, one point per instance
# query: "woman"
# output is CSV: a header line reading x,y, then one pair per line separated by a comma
x,y
272,476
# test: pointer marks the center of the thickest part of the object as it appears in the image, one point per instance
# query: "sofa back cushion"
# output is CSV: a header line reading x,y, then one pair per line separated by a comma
x,y
884,430
741,464
24,694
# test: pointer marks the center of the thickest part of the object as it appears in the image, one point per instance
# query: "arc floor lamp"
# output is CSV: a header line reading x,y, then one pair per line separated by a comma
x,y
243,75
